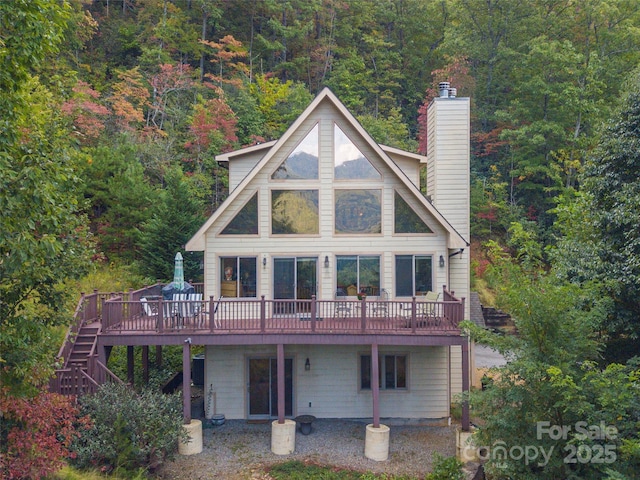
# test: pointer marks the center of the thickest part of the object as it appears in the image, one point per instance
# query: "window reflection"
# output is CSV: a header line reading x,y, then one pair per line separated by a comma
x,y
414,275
246,220
358,211
358,274
406,219
350,163
294,212
302,163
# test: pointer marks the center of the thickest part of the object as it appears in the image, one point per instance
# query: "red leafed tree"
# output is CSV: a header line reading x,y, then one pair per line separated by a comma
x,y
457,74
35,434
87,115
213,128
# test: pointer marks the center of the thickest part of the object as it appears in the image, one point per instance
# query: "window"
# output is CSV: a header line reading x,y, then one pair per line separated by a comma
x,y
294,212
238,276
358,273
392,372
349,161
302,163
413,275
246,220
406,220
358,211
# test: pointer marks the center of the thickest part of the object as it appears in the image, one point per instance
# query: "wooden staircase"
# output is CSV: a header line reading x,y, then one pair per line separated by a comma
x,y
83,347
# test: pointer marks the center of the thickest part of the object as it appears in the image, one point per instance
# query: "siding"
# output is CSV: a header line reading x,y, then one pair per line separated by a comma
x,y
331,387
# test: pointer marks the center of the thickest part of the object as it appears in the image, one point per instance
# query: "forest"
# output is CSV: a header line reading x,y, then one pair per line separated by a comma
x,y
113,112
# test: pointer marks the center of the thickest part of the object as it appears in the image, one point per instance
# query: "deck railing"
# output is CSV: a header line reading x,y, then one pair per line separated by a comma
x,y
242,315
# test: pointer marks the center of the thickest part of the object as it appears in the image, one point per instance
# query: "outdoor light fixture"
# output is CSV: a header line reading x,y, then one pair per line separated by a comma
x,y
307,365
441,261
264,262
326,261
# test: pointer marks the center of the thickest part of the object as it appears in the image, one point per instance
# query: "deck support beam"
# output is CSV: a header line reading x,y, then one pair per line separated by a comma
x,y
130,365
186,381
158,356
280,374
145,364
375,385
465,386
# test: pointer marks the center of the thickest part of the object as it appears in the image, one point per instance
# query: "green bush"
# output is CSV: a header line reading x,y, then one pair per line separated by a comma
x,y
130,431
445,468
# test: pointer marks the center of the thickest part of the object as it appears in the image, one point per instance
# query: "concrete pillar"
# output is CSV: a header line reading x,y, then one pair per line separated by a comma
x,y
376,443
283,437
466,450
193,444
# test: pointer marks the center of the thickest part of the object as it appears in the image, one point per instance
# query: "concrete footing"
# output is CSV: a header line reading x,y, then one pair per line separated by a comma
x,y
283,437
193,445
466,450
376,443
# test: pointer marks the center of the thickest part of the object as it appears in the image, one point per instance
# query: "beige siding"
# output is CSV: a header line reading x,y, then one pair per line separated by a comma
x,y
241,166
331,386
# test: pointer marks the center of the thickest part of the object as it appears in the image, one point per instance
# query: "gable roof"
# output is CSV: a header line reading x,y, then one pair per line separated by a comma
x,y
197,242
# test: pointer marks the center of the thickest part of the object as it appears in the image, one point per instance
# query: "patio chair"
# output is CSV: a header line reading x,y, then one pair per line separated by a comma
x,y
149,309
380,307
179,309
196,307
427,309
342,308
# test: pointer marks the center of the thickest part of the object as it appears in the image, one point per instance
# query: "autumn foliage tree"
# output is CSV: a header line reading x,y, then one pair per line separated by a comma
x,y
36,433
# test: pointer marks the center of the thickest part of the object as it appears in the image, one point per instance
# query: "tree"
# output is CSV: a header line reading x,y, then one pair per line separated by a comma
x,y
605,236
171,224
44,239
552,383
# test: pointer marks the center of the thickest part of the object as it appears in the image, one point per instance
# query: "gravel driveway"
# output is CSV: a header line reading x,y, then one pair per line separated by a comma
x,y
241,450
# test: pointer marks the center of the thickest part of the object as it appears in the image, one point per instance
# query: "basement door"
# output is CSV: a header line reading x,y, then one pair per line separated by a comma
x,y
263,387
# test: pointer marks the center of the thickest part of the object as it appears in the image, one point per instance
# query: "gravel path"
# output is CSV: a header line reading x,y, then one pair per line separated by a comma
x,y
239,450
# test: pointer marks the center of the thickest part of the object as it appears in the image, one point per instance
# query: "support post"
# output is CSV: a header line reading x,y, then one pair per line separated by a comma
x,y
186,381
375,385
465,385
145,364
130,365
280,372
158,356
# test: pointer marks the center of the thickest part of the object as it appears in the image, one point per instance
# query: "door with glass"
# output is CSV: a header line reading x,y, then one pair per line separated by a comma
x,y
294,278
263,387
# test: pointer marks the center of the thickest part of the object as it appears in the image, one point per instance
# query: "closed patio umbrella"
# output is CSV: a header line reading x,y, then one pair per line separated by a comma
x,y
178,272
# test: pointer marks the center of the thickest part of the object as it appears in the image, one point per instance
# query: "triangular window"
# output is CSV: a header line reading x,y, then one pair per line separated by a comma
x,y
302,163
406,219
246,220
349,162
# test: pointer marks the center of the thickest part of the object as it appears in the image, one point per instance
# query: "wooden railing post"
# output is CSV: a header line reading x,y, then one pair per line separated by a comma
x,y
160,320
211,313
413,315
263,314
313,313
363,314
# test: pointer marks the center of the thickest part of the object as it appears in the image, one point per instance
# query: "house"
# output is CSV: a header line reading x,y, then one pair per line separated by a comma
x,y
325,215
324,257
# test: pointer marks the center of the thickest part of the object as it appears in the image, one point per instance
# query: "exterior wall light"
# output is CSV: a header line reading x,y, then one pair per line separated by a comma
x,y
326,261
441,261
307,365
264,262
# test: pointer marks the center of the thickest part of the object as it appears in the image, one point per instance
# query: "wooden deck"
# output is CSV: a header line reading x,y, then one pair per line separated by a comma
x,y
251,316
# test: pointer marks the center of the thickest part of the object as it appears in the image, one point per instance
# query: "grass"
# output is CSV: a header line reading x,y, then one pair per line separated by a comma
x,y
70,473
297,470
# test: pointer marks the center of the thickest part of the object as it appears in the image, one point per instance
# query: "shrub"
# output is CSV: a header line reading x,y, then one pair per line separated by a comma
x,y
130,431
35,434
445,468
